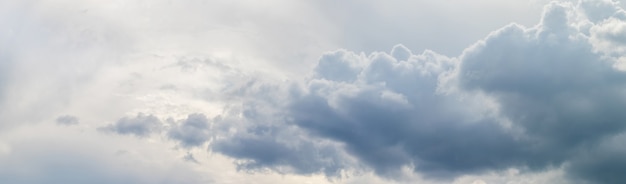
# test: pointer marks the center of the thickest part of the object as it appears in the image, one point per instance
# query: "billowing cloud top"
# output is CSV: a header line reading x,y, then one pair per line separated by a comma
x,y
525,104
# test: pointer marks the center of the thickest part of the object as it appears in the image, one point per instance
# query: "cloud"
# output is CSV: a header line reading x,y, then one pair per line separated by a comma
x,y
526,98
339,66
141,125
553,86
546,86
394,116
256,134
191,132
67,120
299,156
384,111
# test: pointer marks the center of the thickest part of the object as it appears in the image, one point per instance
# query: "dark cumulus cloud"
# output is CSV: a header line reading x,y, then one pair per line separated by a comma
x,y
393,115
544,97
141,125
551,84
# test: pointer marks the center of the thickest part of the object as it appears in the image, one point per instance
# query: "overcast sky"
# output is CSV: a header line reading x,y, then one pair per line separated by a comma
x,y
312,91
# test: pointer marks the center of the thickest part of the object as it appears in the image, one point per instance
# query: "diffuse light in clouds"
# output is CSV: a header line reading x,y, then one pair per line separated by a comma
x,y
190,100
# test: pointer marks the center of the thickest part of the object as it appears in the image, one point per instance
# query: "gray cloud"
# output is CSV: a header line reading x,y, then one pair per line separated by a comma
x,y
191,132
293,155
394,116
67,120
552,85
600,163
526,98
256,134
388,114
339,66
141,125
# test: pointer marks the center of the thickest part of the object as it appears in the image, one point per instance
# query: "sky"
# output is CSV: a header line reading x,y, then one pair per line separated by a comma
x,y
312,91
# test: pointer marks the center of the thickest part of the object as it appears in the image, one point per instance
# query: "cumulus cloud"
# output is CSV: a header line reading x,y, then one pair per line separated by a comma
x,y
527,98
191,132
394,116
141,125
384,110
562,94
561,90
